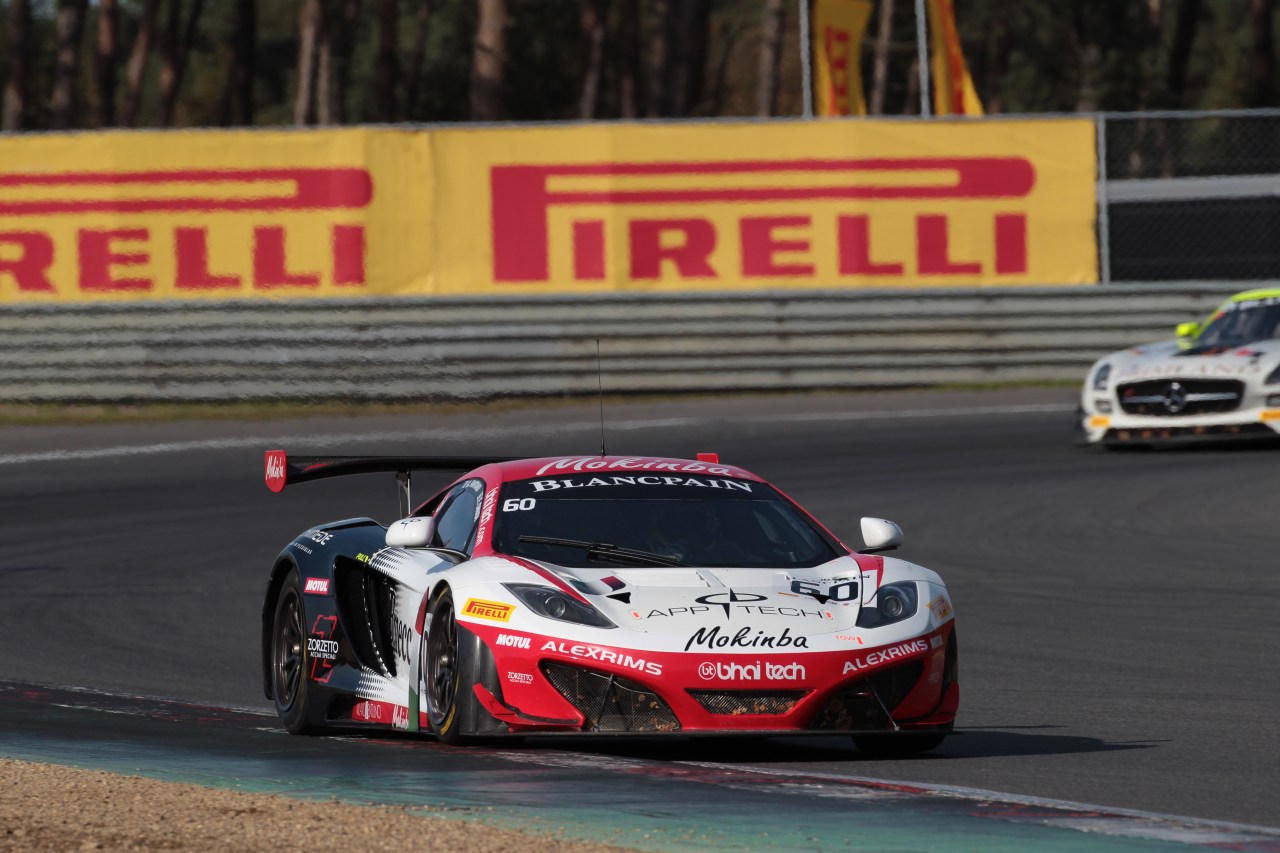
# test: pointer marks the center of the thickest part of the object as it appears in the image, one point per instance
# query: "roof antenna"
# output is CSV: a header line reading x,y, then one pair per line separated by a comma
x,y
600,381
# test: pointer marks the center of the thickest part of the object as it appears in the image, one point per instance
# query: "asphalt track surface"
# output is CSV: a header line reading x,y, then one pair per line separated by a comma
x,y
1116,611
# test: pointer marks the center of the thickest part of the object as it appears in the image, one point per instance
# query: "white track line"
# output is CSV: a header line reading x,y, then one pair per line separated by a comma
x,y
456,433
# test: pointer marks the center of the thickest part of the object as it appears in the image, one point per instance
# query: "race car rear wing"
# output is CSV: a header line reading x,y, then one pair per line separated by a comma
x,y
283,470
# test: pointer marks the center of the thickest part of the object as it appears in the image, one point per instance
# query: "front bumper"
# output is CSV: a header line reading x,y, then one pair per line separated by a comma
x,y
1120,429
910,685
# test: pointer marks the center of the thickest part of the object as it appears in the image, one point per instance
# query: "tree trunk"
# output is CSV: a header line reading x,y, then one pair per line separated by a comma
x,y
1180,53
413,74
1262,61
105,61
388,39
15,89
660,48
880,62
691,58
237,109
310,30
771,26
70,24
486,63
593,13
334,72
177,47
998,62
136,68
629,59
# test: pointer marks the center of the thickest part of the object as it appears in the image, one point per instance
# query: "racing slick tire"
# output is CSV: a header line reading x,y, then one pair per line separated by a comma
x,y
290,660
897,746
447,672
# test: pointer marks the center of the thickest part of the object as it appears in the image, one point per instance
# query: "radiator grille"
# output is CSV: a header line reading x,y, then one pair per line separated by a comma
x,y
611,703
737,702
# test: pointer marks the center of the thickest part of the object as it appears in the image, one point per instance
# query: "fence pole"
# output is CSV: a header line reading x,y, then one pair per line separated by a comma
x,y
922,58
806,59
1104,217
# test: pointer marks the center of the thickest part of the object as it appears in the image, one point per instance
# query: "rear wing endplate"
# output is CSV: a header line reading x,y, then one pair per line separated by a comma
x,y
284,470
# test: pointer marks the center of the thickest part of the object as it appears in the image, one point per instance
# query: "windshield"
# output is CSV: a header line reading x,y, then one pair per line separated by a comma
x,y
696,521
1241,323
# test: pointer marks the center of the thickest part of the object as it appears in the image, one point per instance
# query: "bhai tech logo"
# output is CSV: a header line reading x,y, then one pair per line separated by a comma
x,y
719,671
768,245
730,598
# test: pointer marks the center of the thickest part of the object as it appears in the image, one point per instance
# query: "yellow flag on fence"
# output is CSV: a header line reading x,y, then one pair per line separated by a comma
x,y
838,26
953,92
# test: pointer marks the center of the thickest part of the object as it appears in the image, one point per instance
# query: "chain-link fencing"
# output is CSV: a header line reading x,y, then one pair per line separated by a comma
x,y
1189,196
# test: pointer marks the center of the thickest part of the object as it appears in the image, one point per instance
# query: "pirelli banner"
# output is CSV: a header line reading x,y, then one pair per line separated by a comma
x,y
572,209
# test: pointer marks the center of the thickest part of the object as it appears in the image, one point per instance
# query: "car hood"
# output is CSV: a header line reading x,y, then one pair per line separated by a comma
x,y
682,599
1167,360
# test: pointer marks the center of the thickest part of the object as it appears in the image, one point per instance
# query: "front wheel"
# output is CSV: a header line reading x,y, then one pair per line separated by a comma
x,y
443,669
290,660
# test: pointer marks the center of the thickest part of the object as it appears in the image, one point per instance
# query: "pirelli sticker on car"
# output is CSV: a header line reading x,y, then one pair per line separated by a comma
x,y
493,610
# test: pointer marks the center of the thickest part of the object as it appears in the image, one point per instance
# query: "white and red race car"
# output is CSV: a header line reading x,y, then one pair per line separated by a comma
x,y
603,595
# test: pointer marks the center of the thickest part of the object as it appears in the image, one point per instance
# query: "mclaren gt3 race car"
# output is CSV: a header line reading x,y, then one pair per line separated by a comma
x,y
603,595
1219,379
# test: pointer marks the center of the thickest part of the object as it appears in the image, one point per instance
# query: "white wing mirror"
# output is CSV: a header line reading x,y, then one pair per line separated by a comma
x,y
879,534
411,532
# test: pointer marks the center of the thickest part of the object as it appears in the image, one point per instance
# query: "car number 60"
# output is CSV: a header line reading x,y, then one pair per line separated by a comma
x,y
518,504
846,591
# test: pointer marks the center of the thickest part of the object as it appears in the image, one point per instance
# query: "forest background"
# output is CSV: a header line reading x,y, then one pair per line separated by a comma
x,y
220,63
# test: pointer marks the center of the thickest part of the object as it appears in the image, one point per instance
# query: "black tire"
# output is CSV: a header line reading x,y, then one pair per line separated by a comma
x,y
897,746
290,660
444,668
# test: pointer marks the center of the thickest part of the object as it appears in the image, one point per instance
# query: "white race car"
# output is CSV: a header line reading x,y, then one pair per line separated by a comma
x,y
603,595
1219,379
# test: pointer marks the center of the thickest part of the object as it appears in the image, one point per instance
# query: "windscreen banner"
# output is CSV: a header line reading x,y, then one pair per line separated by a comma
x,y
568,209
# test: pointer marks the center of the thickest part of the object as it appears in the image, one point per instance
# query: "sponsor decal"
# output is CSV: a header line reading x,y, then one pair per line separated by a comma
x,y
744,602
320,537
584,652
303,548
486,513
401,635
316,586
322,648
850,638
275,470
493,610
719,671
513,641
885,655
384,713
745,638
595,463
936,641
644,480
519,677
941,608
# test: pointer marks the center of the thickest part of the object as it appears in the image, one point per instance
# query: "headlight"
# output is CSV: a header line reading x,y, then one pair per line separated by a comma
x,y
554,604
894,602
1274,376
1100,377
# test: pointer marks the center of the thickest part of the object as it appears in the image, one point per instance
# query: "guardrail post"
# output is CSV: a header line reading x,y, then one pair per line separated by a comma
x,y
1104,218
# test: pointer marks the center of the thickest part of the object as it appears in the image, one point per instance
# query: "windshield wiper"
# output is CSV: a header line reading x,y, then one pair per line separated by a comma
x,y
606,551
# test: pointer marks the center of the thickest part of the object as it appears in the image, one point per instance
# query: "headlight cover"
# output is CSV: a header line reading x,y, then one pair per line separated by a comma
x,y
894,603
554,604
1101,376
1274,376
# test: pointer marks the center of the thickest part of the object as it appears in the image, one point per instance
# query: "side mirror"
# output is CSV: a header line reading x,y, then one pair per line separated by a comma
x,y
411,532
1187,330
880,534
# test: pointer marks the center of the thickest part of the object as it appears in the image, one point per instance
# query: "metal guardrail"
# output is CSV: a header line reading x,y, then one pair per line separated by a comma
x,y
464,348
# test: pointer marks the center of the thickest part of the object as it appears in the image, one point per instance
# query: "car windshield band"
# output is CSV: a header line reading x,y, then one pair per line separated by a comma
x,y
606,551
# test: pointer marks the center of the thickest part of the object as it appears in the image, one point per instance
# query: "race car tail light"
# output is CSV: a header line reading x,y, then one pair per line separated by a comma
x,y
610,703
861,706
736,702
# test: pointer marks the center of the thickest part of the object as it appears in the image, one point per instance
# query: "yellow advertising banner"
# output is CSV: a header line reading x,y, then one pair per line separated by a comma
x,y
728,207
569,209
214,215
838,26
